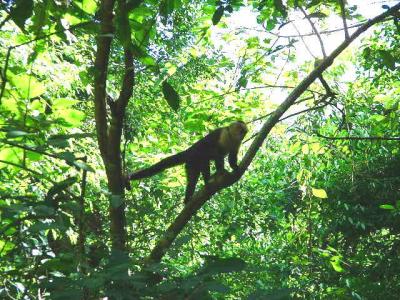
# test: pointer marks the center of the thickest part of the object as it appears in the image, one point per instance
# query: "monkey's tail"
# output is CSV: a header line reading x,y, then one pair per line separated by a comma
x,y
166,163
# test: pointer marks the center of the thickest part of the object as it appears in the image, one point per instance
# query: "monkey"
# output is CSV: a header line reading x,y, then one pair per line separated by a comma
x,y
197,158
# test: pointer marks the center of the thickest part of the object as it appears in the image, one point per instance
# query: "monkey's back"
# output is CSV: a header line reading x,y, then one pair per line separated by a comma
x,y
206,149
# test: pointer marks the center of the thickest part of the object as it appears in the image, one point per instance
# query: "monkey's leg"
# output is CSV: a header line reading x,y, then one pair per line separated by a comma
x,y
219,164
192,175
206,172
232,158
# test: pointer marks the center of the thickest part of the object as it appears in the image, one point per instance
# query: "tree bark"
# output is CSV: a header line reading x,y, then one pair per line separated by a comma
x,y
109,135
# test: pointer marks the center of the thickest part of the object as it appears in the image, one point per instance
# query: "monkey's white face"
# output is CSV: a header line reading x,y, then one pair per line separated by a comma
x,y
238,130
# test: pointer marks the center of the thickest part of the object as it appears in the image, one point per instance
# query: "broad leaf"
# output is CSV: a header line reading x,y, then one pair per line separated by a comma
x,y
21,11
217,15
387,206
319,193
82,165
388,59
171,95
223,265
89,6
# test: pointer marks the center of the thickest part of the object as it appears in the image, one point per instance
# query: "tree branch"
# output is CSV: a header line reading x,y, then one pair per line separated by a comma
x,y
314,30
6,19
268,114
117,117
104,40
40,175
358,138
302,39
255,88
129,76
312,33
343,13
228,179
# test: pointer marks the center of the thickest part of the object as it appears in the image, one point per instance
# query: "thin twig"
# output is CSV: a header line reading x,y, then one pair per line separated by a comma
x,y
5,20
312,33
256,88
304,42
307,34
304,111
26,169
314,30
358,138
28,148
266,115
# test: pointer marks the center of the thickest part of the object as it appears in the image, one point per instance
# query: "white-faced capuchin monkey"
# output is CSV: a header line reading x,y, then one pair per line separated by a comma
x,y
214,146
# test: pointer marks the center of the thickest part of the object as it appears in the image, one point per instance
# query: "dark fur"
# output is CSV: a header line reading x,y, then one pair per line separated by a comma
x,y
197,160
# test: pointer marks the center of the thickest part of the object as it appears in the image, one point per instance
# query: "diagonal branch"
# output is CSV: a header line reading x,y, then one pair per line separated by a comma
x,y
226,180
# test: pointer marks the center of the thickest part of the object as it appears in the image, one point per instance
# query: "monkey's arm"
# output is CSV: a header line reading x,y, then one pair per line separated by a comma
x,y
233,159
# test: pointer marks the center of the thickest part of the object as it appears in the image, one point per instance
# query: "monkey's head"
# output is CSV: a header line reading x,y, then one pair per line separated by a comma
x,y
238,130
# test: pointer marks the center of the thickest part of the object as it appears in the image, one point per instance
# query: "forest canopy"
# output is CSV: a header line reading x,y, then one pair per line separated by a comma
x,y
93,91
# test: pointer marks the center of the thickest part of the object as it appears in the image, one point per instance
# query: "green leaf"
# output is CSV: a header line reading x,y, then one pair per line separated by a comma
x,y
214,286
319,193
182,240
82,165
132,4
242,82
217,15
12,155
27,86
89,6
63,103
335,262
44,210
16,133
72,116
37,227
377,118
59,143
166,8
171,95
21,11
281,294
6,246
223,265
148,61
387,206
388,59
280,7
60,186
318,14
12,105
61,140
67,156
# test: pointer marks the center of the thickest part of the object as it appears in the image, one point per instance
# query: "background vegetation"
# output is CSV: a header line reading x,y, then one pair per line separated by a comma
x,y
93,89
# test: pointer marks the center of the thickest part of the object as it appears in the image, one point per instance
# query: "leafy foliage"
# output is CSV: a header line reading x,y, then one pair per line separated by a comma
x,y
317,214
